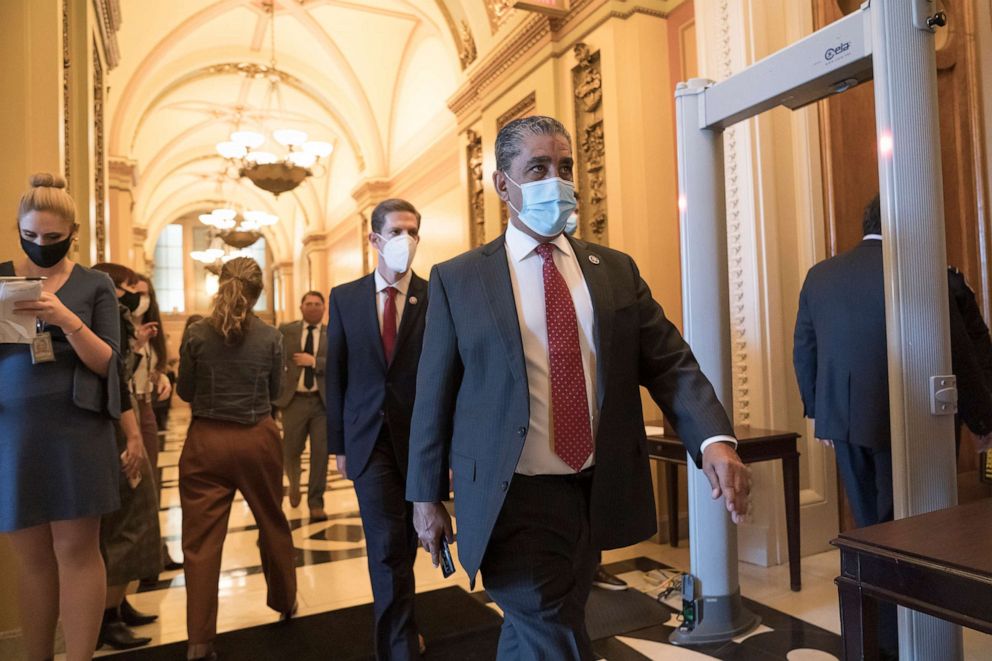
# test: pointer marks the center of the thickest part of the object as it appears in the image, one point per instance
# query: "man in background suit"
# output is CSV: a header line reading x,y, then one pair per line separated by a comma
x,y
302,402
841,365
535,351
375,331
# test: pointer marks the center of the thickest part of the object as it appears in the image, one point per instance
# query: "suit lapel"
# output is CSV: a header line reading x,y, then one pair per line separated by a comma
x,y
602,304
416,295
495,275
371,311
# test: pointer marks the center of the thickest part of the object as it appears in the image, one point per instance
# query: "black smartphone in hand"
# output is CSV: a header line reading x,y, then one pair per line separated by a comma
x,y
447,564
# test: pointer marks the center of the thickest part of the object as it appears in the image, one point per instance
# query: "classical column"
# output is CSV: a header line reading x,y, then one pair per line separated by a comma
x,y
123,177
368,194
285,304
140,261
315,254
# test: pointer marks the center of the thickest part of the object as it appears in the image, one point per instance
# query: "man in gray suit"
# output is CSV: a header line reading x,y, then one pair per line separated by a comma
x,y
302,402
535,350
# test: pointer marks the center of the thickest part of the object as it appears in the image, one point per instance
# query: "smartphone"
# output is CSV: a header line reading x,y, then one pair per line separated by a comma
x,y
447,564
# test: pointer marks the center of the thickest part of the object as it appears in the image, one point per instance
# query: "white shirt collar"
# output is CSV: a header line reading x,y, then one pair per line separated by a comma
x,y
520,245
876,237
401,285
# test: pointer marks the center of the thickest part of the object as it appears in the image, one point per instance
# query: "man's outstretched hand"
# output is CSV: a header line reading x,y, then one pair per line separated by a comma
x,y
729,478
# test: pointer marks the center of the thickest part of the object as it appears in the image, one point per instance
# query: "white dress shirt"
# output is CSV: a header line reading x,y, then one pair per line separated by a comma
x,y
402,286
301,386
527,277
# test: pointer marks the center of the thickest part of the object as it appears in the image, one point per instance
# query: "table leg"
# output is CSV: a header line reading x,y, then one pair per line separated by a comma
x,y
672,484
858,622
790,478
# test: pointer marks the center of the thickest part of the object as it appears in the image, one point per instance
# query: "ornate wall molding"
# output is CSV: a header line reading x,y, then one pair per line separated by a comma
x,y
587,90
109,19
466,45
66,101
99,159
123,173
736,244
535,32
499,12
521,108
476,192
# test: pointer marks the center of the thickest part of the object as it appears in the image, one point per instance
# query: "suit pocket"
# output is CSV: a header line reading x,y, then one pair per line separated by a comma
x,y
462,467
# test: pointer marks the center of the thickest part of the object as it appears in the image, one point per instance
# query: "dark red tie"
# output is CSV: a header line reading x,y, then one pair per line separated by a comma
x,y
389,324
569,403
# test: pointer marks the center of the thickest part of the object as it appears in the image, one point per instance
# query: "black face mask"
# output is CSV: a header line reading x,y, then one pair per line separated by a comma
x,y
49,255
130,300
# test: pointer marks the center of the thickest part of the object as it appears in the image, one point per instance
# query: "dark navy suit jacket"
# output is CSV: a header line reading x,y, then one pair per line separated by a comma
x,y
363,392
840,356
473,399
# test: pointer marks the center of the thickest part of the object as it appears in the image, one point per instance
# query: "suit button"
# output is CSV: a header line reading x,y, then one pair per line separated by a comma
x,y
504,486
381,413
521,432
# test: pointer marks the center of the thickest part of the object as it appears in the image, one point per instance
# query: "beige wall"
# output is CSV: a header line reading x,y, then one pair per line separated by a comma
x,y
31,118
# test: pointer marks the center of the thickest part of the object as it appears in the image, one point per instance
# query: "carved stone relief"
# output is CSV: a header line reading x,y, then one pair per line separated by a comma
x,y
466,45
499,12
587,82
522,108
476,193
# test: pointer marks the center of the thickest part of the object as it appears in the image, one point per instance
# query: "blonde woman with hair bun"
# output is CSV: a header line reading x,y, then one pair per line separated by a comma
x,y
59,466
230,370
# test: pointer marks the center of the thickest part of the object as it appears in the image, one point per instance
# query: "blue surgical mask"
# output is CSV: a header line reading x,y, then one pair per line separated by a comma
x,y
572,224
547,204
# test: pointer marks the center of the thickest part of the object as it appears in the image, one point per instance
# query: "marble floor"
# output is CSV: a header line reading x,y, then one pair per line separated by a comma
x,y
332,574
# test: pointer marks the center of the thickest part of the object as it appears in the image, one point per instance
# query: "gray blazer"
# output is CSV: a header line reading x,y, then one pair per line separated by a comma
x,y
473,399
292,340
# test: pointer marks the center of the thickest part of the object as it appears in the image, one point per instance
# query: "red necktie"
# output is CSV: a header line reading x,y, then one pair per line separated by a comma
x,y
569,404
389,324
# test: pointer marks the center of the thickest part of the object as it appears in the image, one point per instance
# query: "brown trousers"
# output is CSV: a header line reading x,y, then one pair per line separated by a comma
x,y
149,433
218,459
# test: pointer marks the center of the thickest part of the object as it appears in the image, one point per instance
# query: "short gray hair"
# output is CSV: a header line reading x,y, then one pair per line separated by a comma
x,y
510,136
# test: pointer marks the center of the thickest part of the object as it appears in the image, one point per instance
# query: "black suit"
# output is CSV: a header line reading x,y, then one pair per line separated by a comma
x,y
537,539
842,367
369,404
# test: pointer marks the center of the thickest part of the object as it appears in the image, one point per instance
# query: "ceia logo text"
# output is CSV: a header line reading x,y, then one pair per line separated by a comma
x,y
831,53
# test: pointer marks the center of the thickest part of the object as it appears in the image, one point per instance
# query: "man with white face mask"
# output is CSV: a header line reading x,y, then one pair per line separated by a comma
x,y
535,351
375,329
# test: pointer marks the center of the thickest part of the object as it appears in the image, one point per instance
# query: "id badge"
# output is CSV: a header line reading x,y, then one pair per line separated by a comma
x,y
41,349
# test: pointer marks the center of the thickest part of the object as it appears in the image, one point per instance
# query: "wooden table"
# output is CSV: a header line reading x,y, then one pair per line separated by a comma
x,y
938,563
753,445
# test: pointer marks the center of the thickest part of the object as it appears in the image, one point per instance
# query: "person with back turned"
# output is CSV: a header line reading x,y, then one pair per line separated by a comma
x,y
535,350
230,370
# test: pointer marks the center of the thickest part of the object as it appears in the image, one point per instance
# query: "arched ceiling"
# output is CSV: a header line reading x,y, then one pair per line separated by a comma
x,y
369,76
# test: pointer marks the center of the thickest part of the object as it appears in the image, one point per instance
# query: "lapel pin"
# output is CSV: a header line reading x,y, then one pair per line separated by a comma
x,y
413,300
594,259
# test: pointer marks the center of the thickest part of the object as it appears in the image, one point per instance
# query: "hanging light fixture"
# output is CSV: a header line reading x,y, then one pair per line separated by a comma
x,y
267,170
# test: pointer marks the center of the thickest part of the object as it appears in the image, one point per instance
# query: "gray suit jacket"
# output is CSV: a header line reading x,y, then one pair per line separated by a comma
x,y
292,341
473,399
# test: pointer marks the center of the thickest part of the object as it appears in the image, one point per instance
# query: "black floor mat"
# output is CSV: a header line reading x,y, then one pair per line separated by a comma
x,y
455,626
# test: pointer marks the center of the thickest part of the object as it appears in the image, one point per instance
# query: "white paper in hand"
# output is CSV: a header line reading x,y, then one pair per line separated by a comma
x,y
17,328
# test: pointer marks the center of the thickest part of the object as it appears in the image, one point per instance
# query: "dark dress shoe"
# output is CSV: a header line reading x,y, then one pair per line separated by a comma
x,y
608,581
171,565
133,617
291,613
117,635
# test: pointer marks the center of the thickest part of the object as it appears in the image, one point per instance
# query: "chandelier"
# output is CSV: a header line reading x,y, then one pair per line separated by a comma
x,y
232,234
274,172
